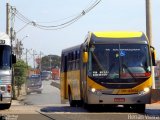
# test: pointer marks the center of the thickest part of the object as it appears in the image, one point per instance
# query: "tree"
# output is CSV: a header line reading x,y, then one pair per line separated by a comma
x,y
50,61
20,72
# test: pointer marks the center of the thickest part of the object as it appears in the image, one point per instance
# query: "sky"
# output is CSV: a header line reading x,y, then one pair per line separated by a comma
x,y
108,15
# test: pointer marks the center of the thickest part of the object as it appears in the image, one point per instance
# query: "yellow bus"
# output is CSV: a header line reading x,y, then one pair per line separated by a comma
x,y
109,68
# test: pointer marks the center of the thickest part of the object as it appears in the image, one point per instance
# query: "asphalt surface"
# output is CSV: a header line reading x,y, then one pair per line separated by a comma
x,y
65,112
49,95
46,106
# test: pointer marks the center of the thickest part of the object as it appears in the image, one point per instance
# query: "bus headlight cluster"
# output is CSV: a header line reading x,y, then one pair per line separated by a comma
x,y
93,90
145,90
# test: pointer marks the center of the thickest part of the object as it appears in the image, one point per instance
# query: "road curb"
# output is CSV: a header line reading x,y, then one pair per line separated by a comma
x,y
55,84
19,100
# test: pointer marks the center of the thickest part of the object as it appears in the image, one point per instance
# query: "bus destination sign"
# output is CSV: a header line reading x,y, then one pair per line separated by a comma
x,y
2,41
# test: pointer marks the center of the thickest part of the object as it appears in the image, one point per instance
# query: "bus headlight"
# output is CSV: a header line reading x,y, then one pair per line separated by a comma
x,y
93,90
146,89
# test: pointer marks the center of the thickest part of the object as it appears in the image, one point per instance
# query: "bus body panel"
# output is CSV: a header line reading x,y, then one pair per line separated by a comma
x,y
119,99
71,81
5,88
70,75
63,86
135,95
139,88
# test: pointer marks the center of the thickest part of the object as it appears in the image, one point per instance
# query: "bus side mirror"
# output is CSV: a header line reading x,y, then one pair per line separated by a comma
x,y
85,57
13,58
153,53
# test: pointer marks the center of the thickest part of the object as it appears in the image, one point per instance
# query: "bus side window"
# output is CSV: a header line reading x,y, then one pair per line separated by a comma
x,y
77,60
73,60
62,63
65,64
68,62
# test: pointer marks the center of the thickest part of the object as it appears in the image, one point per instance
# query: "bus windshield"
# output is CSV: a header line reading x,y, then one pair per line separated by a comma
x,y
122,61
5,57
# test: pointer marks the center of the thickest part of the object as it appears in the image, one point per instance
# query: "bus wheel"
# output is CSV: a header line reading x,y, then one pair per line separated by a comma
x,y
71,102
85,106
5,106
140,108
80,103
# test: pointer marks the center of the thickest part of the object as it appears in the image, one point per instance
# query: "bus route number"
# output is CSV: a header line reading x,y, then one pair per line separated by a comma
x,y
2,41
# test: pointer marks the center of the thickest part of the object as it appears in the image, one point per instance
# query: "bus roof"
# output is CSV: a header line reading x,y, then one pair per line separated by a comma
x,y
118,34
118,37
5,37
67,50
109,37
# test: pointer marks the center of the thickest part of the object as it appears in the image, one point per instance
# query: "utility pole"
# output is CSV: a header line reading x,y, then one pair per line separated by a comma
x,y
7,19
148,21
18,49
149,32
50,62
27,62
34,65
40,63
26,57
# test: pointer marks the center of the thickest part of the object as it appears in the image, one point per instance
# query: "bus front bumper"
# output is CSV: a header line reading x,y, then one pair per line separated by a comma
x,y
5,99
99,98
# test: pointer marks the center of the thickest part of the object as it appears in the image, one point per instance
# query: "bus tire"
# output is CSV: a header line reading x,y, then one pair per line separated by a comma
x,y
5,106
140,108
80,103
85,105
71,101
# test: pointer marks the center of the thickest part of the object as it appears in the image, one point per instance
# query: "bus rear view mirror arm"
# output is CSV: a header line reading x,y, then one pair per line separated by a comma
x,y
13,58
153,54
85,57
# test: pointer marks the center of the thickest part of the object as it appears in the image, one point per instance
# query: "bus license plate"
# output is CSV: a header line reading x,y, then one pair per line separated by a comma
x,y
119,99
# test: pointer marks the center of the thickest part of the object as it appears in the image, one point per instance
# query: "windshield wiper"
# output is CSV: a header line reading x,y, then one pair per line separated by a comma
x,y
110,69
123,65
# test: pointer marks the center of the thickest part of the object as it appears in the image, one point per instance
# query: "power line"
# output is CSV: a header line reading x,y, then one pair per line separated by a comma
x,y
58,26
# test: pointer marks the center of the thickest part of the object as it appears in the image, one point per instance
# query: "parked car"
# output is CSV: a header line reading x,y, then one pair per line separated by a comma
x,y
34,84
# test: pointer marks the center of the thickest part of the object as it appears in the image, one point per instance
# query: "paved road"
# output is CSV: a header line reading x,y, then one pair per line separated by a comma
x,y
50,95
46,106
64,112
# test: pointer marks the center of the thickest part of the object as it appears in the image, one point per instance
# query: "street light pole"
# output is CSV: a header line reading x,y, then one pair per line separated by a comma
x,y
7,19
50,61
149,32
40,63
34,59
148,21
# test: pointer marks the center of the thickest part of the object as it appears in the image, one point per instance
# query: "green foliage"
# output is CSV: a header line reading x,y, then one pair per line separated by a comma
x,y
20,70
50,61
